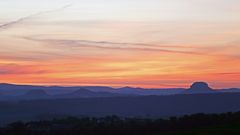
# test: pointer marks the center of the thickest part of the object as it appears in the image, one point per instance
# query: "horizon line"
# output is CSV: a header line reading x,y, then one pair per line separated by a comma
x,y
115,87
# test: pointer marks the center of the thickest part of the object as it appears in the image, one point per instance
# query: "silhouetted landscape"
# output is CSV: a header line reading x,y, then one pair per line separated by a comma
x,y
10,92
119,67
27,103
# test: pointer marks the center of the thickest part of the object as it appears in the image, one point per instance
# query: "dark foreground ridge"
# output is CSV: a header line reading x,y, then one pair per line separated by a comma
x,y
197,124
142,106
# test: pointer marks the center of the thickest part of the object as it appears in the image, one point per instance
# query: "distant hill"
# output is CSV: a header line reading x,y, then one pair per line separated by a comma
x,y
235,90
42,94
148,92
86,93
199,88
19,92
36,93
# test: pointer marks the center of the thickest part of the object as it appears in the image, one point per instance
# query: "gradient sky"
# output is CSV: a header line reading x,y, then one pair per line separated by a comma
x,y
142,43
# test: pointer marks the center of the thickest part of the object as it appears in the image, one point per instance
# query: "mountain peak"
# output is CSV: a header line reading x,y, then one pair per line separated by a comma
x,y
199,88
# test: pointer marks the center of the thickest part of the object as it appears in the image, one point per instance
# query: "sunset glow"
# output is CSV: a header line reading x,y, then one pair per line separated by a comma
x,y
140,43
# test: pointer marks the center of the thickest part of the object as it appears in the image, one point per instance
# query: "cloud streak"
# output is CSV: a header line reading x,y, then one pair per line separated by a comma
x,y
15,69
22,19
113,45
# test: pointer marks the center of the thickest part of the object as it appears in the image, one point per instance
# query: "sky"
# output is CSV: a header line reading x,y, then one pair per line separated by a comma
x,y
139,43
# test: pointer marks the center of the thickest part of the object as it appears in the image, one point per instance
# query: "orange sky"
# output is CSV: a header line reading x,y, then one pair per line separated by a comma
x,y
143,44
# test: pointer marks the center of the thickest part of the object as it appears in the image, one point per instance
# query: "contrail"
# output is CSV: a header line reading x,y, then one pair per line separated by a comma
x,y
22,19
106,45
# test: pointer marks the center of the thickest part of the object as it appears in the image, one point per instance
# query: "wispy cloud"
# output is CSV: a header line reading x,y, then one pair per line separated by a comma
x,y
22,19
29,56
113,45
15,69
227,73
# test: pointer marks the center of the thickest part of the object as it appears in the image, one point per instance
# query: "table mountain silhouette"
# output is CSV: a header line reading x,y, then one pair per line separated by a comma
x,y
199,88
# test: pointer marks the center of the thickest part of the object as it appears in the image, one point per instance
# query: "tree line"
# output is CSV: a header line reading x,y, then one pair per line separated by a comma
x,y
113,125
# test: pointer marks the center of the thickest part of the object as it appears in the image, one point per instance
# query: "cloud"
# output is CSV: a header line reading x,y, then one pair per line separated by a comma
x,y
22,19
113,45
29,56
227,73
15,69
